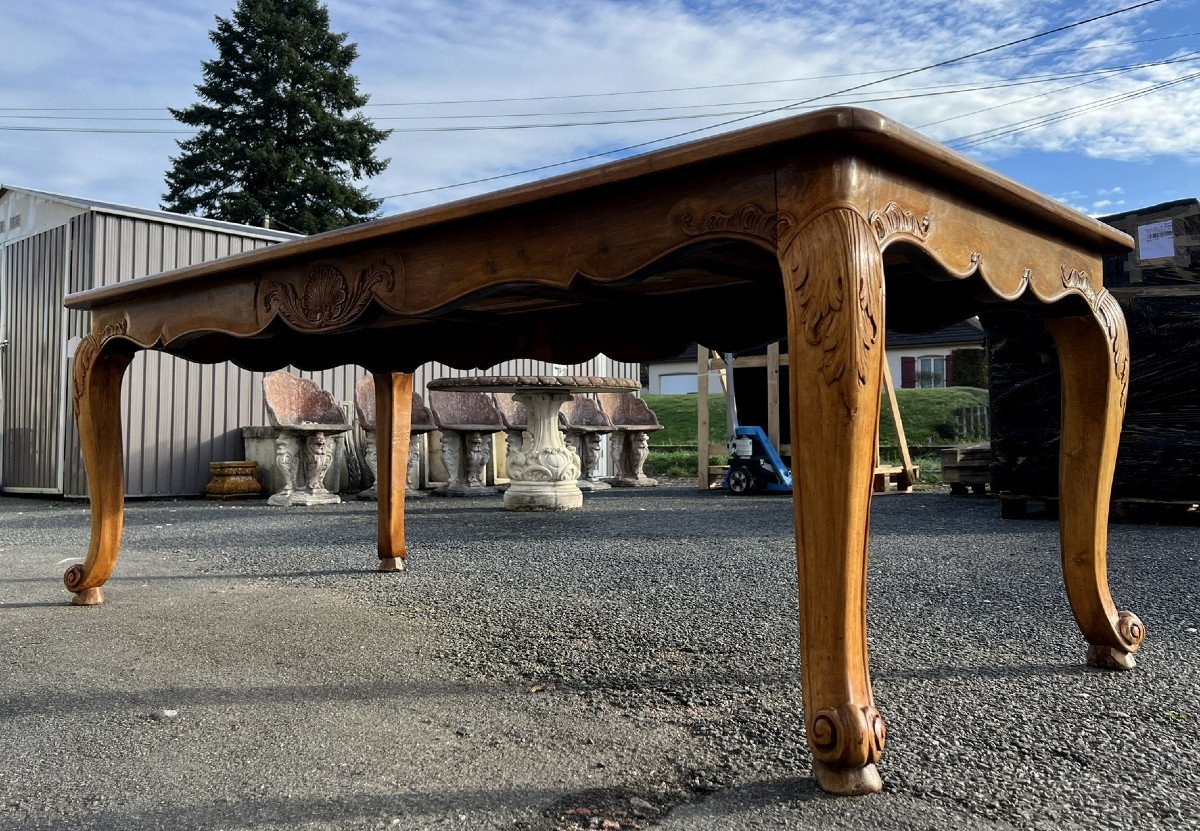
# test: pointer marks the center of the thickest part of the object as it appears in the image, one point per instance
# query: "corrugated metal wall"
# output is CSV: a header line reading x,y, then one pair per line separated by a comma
x,y
180,416
31,366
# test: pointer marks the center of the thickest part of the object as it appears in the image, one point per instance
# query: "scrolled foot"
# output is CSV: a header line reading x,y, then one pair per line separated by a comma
x,y
1131,632
391,564
847,781
88,597
1131,629
74,579
846,743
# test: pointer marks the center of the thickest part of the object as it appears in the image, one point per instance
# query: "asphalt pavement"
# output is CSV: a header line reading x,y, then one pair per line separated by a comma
x,y
630,665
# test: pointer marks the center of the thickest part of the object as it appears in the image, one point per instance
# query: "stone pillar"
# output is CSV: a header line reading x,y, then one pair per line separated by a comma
x,y
544,471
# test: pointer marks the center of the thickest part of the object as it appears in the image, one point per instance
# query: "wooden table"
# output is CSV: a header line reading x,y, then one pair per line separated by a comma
x,y
543,471
793,228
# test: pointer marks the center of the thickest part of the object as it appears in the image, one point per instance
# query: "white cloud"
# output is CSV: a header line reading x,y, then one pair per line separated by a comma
x,y
134,54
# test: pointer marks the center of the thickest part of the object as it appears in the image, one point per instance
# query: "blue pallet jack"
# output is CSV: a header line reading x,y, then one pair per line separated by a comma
x,y
754,464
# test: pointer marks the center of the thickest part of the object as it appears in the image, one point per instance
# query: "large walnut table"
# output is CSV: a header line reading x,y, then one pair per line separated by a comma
x,y
791,229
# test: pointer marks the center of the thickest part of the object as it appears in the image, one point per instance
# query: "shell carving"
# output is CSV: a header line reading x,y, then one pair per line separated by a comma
x,y
329,300
750,220
894,220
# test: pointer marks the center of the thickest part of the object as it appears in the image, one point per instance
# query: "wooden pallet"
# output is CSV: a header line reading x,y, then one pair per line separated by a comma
x,y
1127,509
967,468
895,479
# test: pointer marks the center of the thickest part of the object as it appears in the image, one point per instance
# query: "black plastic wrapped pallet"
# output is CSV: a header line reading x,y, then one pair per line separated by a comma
x,y
1159,454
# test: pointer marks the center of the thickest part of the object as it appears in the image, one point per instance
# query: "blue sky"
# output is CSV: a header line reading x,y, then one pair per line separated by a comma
x,y
1071,115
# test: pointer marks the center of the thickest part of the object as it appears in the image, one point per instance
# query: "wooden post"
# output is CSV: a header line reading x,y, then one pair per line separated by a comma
x,y
910,473
702,479
773,393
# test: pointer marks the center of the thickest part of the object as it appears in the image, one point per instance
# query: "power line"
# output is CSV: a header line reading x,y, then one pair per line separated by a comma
x,y
928,91
570,96
855,88
834,76
996,133
917,92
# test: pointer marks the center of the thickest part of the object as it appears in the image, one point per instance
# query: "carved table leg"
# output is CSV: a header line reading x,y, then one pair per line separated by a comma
x,y
833,274
1094,356
393,412
97,382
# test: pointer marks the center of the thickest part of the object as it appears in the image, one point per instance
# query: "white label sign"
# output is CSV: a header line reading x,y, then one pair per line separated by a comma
x,y
1156,240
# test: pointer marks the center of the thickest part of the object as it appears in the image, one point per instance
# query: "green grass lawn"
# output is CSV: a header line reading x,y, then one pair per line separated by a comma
x,y
928,414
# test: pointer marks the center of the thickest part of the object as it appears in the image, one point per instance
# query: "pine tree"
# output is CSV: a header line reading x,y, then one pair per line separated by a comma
x,y
274,136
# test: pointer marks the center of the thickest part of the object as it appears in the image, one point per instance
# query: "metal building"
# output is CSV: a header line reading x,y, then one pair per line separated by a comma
x,y
178,416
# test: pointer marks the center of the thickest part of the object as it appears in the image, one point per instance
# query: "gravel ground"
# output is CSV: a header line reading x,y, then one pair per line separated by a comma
x,y
630,665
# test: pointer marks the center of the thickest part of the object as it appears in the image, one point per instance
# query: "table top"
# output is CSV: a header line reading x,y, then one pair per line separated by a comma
x,y
535,383
635,259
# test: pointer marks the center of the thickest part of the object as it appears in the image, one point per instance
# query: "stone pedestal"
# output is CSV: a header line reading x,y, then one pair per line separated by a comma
x,y
587,445
233,480
304,453
543,472
412,482
260,448
465,455
629,451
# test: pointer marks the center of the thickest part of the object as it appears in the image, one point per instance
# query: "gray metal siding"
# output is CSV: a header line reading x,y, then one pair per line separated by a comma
x,y
179,416
31,365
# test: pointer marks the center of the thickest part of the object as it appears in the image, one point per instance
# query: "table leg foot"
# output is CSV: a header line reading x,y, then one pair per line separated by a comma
x,y
847,781
1108,657
391,564
88,597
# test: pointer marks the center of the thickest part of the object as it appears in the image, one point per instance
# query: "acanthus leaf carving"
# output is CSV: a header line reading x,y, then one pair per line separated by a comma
x,y
329,300
838,287
750,220
1106,309
85,358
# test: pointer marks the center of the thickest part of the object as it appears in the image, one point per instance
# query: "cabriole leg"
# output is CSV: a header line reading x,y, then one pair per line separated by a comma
x,y
97,401
833,273
393,413
1094,355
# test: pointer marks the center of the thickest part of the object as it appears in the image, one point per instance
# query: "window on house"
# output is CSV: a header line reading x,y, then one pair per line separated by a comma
x,y
931,371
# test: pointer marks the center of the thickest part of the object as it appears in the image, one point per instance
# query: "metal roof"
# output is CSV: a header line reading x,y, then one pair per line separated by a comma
x,y
160,216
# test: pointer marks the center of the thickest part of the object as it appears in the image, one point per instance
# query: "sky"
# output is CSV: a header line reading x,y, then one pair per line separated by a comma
x,y
1103,116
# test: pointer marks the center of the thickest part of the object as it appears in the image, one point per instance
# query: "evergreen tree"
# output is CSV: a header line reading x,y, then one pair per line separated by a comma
x,y
275,140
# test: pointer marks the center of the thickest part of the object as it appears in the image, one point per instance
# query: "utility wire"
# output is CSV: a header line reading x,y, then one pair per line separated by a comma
x,y
855,88
858,98
517,99
996,133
